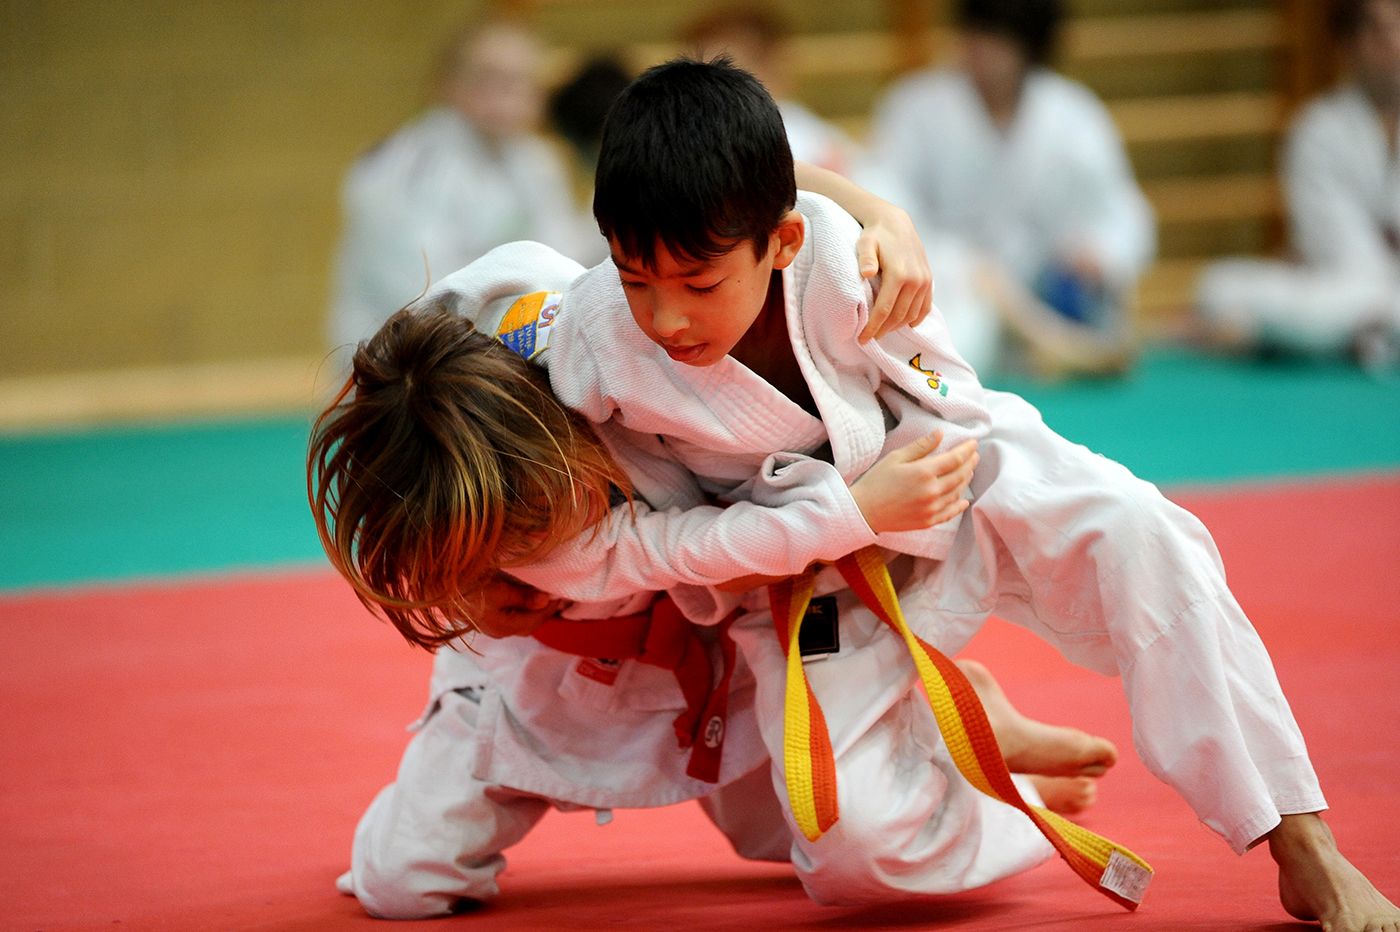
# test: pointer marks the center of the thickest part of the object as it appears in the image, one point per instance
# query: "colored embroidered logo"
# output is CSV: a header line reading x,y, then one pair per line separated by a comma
x,y
935,378
714,732
525,328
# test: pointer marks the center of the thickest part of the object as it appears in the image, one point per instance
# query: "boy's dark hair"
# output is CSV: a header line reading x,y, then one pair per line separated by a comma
x,y
1034,24
694,155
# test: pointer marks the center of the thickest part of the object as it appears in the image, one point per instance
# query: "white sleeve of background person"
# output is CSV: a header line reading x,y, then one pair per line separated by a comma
x,y
1117,220
556,219
901,144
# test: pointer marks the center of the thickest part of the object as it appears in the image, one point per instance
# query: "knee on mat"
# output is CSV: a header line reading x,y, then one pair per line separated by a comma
x,y
404,891
850,877
858,861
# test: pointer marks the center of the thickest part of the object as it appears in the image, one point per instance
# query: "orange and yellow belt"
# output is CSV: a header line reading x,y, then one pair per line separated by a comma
x,y
811,767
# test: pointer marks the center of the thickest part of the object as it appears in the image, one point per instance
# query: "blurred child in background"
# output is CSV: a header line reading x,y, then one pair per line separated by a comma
x,y
1027,166
756,37
464,177
1342,184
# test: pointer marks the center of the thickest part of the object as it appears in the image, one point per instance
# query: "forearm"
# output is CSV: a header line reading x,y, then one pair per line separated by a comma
x,y
851,197
807,514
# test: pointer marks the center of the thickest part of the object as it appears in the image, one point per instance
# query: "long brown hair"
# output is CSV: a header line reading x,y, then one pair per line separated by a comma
x,y
444,457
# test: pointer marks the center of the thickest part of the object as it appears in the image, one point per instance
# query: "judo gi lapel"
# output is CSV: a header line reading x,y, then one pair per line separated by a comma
x,y
827,303
846,376
719,421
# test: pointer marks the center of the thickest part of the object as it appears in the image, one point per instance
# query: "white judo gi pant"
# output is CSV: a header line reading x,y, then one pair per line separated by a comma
x,y
434,838
1307,309
1075,548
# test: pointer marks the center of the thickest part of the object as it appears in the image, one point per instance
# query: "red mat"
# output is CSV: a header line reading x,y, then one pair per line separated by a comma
x,y
195,756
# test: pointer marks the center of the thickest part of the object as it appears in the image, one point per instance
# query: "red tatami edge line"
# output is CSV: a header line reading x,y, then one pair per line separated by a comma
x,y
195,756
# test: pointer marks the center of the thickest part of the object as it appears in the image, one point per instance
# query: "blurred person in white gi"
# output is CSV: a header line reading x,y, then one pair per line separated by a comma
x,y
755,36
1341,178
467,175
1026,166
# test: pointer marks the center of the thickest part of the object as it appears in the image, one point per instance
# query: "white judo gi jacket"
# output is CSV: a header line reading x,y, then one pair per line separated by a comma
x,y
1342,187
1061,541
723,424
513,726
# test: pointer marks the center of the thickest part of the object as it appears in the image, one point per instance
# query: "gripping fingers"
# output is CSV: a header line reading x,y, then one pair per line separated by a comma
x,y
954,459
899,315
957,507
924,305
879,314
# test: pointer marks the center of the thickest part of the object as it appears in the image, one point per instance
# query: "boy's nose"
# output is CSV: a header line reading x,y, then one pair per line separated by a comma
x,y
667,322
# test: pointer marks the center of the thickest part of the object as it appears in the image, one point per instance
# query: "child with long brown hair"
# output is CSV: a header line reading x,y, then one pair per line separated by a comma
x,y
446,458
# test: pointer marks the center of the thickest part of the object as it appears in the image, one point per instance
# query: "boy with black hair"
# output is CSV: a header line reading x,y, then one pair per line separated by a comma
x,y
727,325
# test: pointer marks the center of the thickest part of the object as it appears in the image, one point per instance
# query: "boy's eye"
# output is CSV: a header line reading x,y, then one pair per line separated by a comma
x,y
632,285
698,290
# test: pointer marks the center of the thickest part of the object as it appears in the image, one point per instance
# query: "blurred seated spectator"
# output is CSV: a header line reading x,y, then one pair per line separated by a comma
x,y
577,111
755,37
1027,168
1341,178
578,108
462,178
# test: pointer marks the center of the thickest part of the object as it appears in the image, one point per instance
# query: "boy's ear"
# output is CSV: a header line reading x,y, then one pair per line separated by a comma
x,y
791,233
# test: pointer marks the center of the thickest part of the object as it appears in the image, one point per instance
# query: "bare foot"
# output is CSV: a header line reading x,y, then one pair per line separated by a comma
x,y
1066,795
1029,746
1316,883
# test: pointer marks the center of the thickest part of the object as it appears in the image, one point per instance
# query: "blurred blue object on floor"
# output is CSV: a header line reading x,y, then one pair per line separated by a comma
x,y
1073,297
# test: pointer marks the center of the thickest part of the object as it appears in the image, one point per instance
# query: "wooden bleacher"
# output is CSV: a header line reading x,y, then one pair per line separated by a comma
x,y
170,192
1204,157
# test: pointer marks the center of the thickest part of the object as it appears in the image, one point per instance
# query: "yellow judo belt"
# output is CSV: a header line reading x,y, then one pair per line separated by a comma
x,y
811,767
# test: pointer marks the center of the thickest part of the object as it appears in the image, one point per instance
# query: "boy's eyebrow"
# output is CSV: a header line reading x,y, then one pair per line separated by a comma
x,y
693,271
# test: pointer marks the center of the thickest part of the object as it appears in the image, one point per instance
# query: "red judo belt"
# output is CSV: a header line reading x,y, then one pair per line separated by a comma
x,y
811,767
663,637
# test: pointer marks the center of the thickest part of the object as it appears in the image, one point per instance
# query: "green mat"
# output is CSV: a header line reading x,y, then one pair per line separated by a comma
x,y
1186,418
151,501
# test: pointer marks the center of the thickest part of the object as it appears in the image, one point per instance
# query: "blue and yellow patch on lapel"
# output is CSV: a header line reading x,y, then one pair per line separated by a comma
x,y
935,378
525,328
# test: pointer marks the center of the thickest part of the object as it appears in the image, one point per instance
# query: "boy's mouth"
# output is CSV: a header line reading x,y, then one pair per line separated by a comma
x,y
685,353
